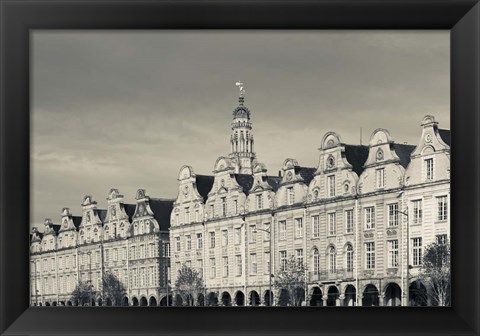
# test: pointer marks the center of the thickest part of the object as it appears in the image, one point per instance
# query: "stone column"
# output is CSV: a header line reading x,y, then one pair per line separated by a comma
x,y
341,300
381,299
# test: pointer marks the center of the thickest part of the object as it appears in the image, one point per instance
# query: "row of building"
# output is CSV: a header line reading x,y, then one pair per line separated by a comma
x,y
359,222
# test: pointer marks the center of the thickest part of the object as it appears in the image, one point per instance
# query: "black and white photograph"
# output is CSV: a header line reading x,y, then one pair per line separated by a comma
x,y
240,168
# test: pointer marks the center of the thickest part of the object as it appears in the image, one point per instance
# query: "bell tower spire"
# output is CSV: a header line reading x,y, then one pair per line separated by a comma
x,y
242,151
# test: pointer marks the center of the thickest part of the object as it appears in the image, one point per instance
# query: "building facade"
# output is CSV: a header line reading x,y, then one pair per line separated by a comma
x,y
130,241
359,221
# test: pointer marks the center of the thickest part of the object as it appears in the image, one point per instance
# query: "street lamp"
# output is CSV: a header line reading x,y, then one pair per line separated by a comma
x,y
270,263
90,275
407,290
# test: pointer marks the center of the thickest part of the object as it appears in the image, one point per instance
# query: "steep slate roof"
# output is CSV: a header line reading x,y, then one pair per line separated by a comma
x,y
245,181
204,184
356,155
56,228
403,152
162,209
306,173
445,135
130,210
76,221
274,182
102,214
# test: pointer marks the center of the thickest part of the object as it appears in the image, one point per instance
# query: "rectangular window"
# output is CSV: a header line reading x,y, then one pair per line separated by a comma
x,y
283,260
213,270
177,244
212,239
238,263
235,207
299,255
225,266
370,255
429,169
393,253
393,214
442,208
267,262
200,267
253,233
316,226
189,242
290,196
331,185
224,206
167,250
199,240
259,202
187,215
212,210
298,227
380,177
369,218
332,223
238,236
417,212
442,239
224,237
253,263
349,221
283,229
417,251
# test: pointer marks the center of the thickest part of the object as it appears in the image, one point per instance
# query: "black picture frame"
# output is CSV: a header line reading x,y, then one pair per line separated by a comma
x,y
18,18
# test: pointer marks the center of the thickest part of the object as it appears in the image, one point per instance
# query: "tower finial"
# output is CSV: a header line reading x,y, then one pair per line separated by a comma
x,y
241,87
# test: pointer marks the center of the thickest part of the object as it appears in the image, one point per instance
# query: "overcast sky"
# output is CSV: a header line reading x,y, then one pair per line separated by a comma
x,y
127,109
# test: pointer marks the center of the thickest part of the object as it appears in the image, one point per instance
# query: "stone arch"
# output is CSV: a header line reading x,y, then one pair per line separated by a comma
x,y
212,299
330,139
380,136
254,298
268,298
333,295
185,172
108,302
370,296
152,302
143,301
223,163
135,302
289,164
125,301
166,301
47,304
69,303
417,294
316,297
428,150
226,299
99,302
392,295
239,298
350,296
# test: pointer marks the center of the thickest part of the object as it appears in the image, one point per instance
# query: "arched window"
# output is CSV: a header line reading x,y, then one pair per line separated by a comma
x,y
332,259
349,258
316,261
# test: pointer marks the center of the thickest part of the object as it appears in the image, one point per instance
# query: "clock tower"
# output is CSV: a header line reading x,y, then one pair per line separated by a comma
x,y
241,141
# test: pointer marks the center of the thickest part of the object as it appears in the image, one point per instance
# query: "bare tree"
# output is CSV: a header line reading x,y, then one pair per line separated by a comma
x,y
291,279
83,294
435,273
113,288
189,284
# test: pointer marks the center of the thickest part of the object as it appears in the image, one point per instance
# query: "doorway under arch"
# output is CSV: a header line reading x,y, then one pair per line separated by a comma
x,y
350,296
393,295
152,302
268,298
370,296
316,300
226,299
332,296
240,298
134,302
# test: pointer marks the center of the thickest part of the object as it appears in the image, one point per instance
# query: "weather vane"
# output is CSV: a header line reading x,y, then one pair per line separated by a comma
x,y
241,87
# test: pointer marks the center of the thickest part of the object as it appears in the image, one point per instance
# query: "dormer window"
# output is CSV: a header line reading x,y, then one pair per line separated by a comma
x,y
429,169
330,162
290,196
380,177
